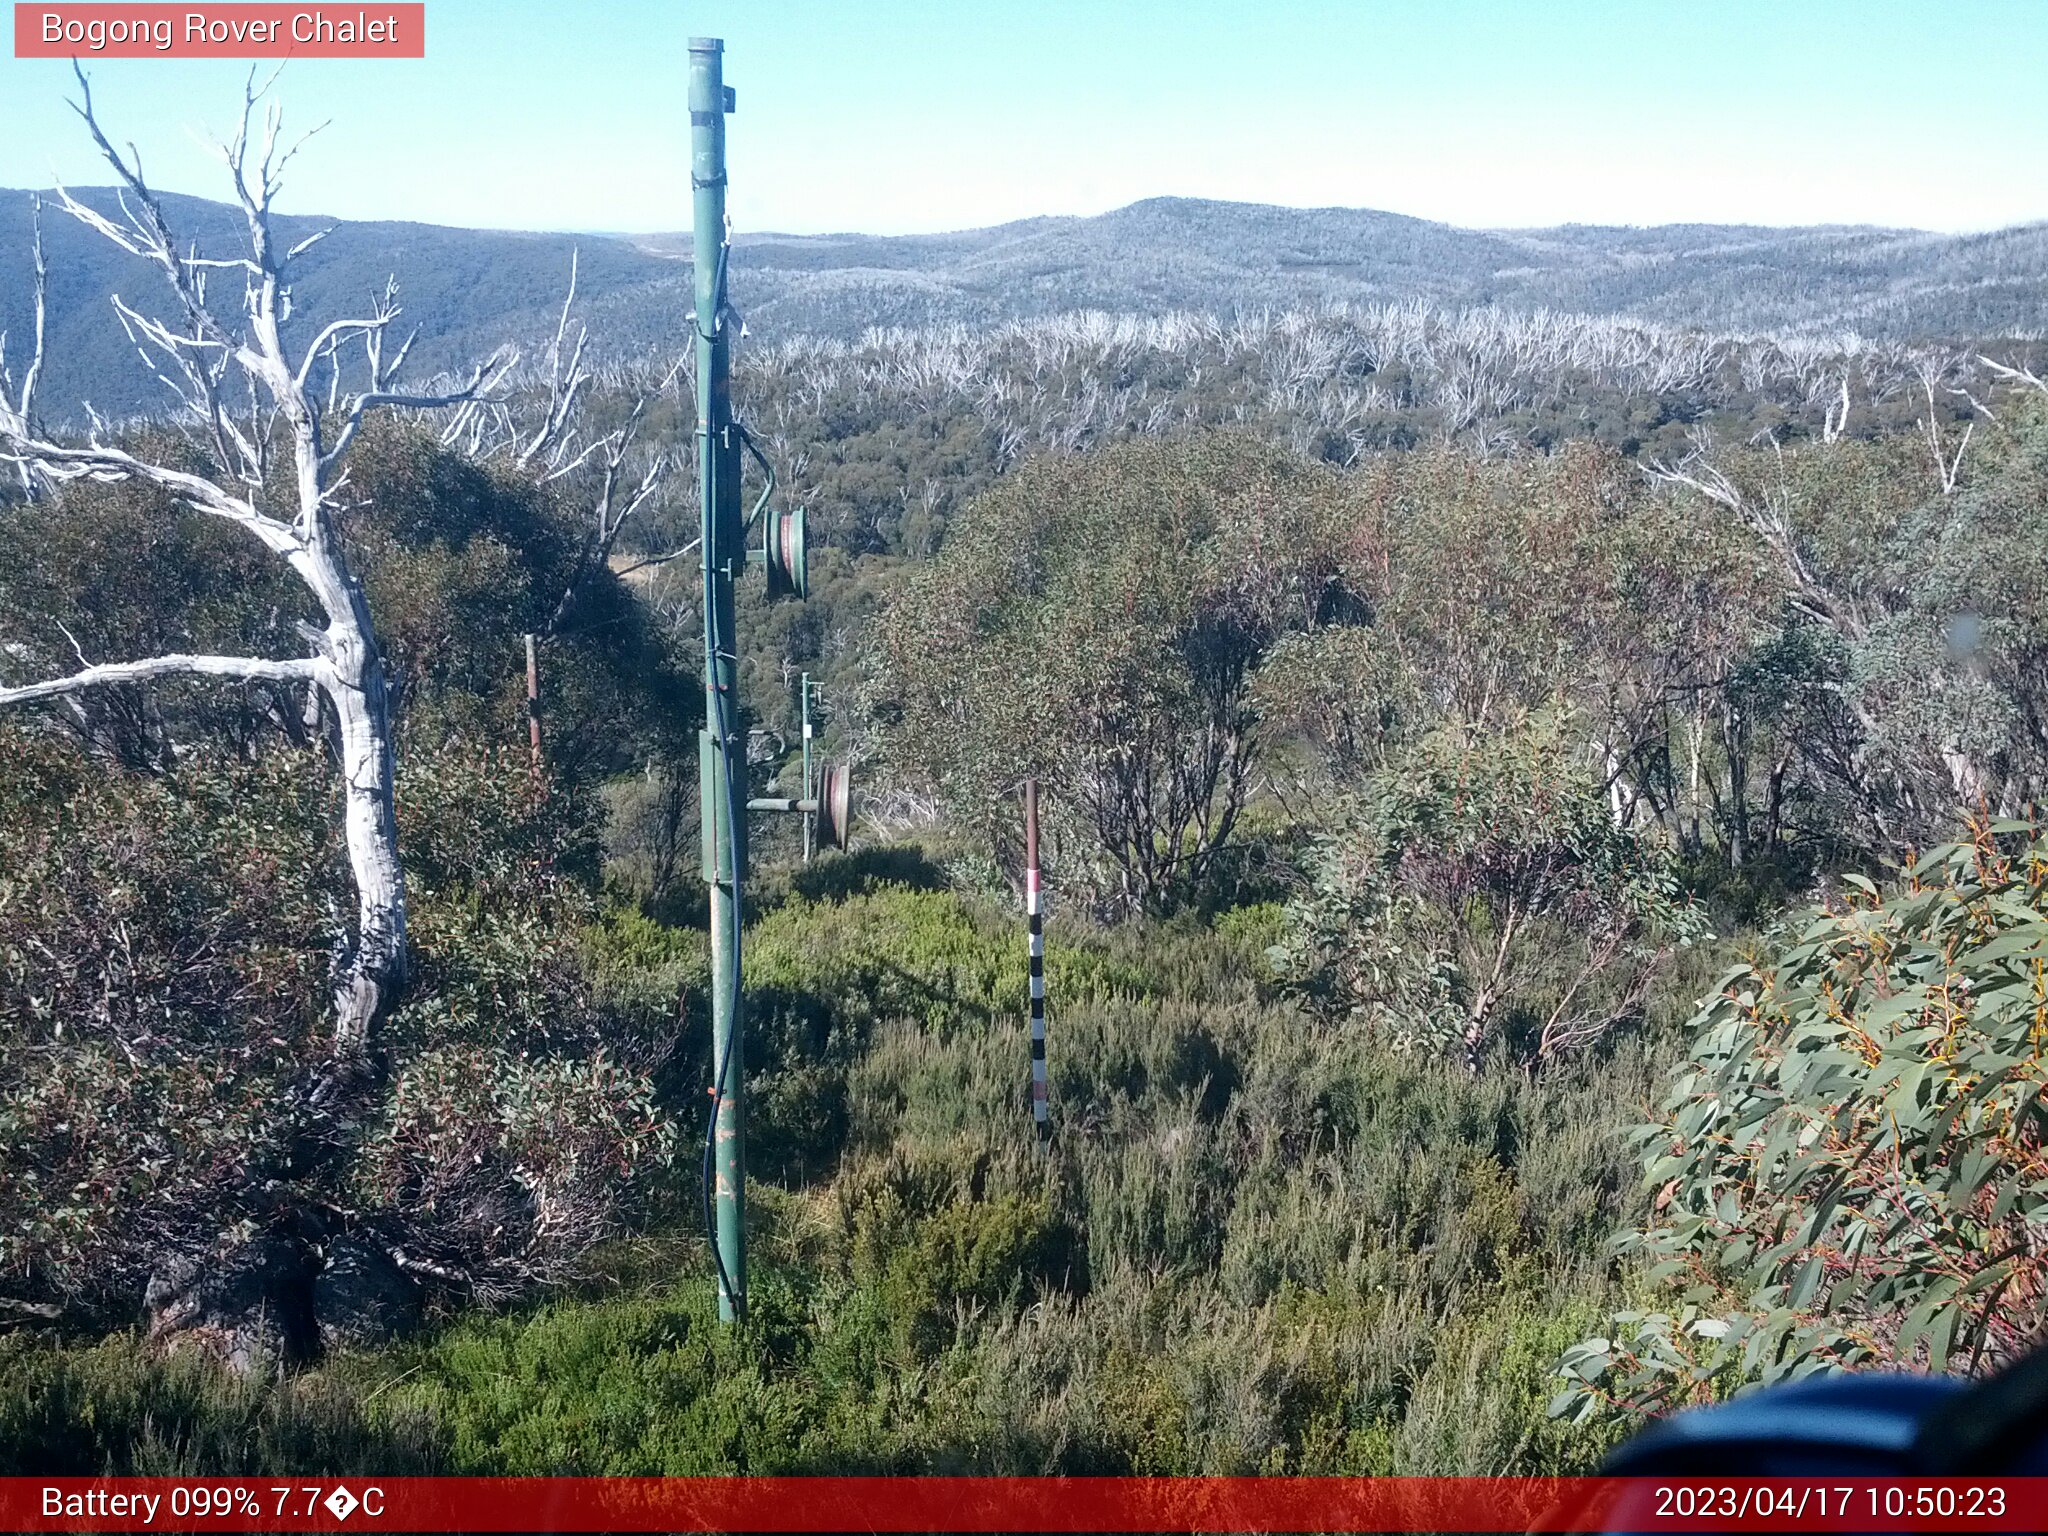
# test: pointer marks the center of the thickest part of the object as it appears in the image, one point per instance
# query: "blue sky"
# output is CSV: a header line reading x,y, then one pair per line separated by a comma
x,y
911,115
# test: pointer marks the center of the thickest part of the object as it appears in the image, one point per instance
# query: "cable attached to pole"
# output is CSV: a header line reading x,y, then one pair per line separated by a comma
x,y
722,1072
721,548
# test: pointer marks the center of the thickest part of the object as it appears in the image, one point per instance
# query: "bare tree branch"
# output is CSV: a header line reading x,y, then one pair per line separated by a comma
x,y
608,517
1768,517
664,559
2015,375
197,355
1948,467
330,338
482,381
19,405
99,462
110,674
553,436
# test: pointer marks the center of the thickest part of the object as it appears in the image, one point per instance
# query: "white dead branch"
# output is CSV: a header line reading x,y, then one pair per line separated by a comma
x,y
253,400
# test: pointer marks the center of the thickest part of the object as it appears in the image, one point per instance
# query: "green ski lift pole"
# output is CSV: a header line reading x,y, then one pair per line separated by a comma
x,y
721,745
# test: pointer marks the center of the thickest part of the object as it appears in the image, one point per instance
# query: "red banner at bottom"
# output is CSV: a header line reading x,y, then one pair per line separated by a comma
x,y
1049,1504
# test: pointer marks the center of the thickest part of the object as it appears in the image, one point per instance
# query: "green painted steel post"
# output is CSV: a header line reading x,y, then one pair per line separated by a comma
x,y
722,747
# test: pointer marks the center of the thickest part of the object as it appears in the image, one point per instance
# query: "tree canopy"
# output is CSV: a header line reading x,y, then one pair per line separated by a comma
x,y
1097,622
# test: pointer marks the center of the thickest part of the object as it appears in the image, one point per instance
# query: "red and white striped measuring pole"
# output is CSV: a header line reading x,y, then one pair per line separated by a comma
x,y
1036,922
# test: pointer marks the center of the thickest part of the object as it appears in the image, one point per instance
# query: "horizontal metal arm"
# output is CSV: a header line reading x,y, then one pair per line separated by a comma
x,y
782,805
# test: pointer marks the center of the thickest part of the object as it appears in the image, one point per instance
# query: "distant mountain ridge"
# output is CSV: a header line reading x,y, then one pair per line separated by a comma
x,y
1180,253
469,290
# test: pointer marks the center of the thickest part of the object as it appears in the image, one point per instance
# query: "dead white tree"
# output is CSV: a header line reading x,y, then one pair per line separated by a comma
x,y
615,502
1768,515
1833,421
1948,466
2014,376
539,426
291,429
19,401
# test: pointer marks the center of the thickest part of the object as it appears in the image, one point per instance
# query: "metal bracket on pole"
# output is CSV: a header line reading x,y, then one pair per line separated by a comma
x,y
829,808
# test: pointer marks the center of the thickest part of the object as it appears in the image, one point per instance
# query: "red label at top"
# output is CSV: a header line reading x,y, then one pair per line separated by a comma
x,y
243,31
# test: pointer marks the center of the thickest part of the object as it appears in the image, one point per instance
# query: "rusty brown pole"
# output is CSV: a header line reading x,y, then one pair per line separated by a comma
x,y
533,704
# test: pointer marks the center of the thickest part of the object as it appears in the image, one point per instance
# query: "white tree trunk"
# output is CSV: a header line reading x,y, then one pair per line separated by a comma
x,y
370,982
195,354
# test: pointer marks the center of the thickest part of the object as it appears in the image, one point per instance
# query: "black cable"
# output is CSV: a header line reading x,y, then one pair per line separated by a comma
x,y
722,1070
722,1074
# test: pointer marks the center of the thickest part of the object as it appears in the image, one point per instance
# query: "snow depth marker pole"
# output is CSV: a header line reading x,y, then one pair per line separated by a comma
x,y
1035,921
810,789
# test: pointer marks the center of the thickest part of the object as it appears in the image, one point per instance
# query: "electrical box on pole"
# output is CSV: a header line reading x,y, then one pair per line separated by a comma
x,y
721,753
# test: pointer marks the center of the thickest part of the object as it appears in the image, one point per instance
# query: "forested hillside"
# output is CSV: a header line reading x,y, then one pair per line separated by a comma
x,y
1211,257
470,290
1546,906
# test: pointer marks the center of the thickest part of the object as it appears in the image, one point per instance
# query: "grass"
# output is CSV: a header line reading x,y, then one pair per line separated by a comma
x,y
1260,1245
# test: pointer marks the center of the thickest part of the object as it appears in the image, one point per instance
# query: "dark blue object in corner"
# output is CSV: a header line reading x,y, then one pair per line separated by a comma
x,y
1845,1423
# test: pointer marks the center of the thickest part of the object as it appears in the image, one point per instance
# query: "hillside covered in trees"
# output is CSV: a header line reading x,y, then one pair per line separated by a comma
x,y
1546,906
470,290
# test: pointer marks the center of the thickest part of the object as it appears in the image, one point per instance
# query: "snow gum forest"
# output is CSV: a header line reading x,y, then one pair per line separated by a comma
x,y
1547,919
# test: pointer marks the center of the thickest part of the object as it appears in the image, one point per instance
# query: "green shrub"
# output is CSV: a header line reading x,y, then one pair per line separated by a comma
x,y
1260,1243
1483,896
918,956
1850,1169
1252,930
164,950
910,975
643,1386
163,953
1096,622
926,1265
